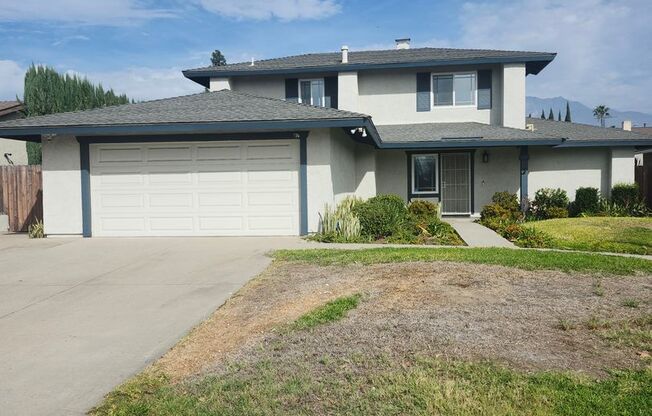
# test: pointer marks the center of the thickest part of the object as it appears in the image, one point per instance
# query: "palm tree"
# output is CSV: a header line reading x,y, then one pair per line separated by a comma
x,y
601,112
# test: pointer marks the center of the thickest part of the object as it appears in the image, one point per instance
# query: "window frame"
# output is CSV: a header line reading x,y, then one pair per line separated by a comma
x,y
413,165
454,74
323,89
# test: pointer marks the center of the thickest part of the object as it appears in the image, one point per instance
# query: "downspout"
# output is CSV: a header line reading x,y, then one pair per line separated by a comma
x,y
524,157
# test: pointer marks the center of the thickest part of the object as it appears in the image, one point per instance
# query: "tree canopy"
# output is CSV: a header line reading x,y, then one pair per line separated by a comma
x,y
217,59
601,112
48,92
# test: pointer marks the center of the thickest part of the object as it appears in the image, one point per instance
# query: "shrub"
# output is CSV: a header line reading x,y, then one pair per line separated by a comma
x,y
533,238
625,194
340,224
423,210
587,201
547,198
35,230
381,216
556,212
507,201
512,232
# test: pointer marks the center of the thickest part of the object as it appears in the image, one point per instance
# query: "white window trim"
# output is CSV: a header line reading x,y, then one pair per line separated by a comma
x,y
323,96
413,168
475,89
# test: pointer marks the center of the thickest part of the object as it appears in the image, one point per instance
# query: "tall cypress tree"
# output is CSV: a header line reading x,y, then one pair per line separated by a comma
x,y
543,114
48,92
568,113
551,115
559,116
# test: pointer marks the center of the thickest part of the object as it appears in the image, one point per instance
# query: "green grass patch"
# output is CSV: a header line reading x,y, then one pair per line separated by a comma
x,y
329,312
356,385
522,258
635,333
608,234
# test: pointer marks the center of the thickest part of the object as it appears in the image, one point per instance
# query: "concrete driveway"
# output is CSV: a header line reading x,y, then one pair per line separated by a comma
x,y
79,316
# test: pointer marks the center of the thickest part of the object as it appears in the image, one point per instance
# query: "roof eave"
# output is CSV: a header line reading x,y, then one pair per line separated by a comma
x,y
534,65
464,143
33,132
606,143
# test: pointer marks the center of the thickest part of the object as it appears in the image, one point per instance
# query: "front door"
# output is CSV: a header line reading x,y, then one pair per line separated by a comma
x,y
456,183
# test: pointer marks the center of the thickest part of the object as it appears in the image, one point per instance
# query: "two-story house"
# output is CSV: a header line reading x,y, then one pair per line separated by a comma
x,y
275,140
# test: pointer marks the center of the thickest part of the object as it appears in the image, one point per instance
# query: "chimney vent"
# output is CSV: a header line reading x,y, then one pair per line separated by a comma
x,y
627,125
403,43
345,54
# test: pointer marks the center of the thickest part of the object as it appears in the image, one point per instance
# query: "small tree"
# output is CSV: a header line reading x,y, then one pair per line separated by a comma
x,y
217,59
601,112
559,116
551,115
568,113
543,114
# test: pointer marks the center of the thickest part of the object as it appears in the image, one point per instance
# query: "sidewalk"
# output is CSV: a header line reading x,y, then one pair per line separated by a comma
x,y
476,235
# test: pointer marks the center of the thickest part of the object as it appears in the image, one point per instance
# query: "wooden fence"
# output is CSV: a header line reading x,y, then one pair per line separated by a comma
x,y
21,195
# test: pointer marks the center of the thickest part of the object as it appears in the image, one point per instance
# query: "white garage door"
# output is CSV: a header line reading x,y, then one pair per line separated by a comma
x,y
200,188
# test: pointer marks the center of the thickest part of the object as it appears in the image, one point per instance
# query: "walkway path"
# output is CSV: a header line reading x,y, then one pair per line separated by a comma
x,y
477,235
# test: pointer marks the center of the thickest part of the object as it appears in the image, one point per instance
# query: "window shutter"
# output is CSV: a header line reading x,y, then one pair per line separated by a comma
x,y
423,91
484,89
330,92
292,89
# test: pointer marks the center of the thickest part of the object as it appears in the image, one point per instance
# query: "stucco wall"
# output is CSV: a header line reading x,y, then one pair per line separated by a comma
x,y
621,165
217,84
391,172
513,87
569,169
273,87
343,168
501,173
390,98
62,213
18,151
347,91
365,170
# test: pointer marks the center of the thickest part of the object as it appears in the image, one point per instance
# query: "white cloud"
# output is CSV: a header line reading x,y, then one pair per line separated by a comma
x,y
11,80
68,39
143,83
92,12
267,9
603,46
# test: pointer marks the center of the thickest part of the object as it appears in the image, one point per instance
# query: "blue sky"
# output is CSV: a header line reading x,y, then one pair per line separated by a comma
x,y
139,47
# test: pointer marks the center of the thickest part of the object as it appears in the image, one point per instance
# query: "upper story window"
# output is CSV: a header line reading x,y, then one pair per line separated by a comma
x,y
311,91
454,90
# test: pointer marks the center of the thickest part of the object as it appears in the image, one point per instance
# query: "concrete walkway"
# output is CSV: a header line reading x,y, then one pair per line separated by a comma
x,y
477,235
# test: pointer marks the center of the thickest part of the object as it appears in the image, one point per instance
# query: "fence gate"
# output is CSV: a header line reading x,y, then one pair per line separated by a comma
x,y
21,195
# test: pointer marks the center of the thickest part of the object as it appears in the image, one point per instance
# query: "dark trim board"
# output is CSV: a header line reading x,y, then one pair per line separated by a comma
x,y
85,170
84,161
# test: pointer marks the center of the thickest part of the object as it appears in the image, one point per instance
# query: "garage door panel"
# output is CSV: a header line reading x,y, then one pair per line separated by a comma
x,y
171,200
169,154
220,175
220,199
119,154
121,200
269,152
221,224
173,224
224,188
219,152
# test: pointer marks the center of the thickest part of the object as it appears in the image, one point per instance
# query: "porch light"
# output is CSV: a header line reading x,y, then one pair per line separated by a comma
x,y
485,157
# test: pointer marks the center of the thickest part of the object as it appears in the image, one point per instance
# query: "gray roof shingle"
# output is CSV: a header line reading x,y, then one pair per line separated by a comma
x,y
207,107
576,132
457,132
331,61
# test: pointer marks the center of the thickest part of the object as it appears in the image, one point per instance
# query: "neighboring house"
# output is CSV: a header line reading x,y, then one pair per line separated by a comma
x,y
12,152
278,139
